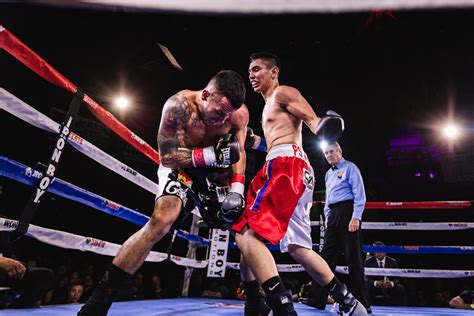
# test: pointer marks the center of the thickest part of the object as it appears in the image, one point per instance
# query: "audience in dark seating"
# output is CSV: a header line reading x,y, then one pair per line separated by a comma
x,y
75,277
384,290
27,285
464,300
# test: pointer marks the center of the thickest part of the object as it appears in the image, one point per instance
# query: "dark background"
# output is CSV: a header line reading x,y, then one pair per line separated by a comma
x,y
395,78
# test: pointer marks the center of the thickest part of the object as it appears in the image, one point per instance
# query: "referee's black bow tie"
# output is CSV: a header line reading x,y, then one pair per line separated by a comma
x,y
334,168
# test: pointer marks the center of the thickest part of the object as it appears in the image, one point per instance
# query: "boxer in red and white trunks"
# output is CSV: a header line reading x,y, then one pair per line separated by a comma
x,y
280,197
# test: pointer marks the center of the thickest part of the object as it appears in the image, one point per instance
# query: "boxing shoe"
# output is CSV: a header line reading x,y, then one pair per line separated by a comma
x,y
99,303
353,308
256,307
104,294
281,304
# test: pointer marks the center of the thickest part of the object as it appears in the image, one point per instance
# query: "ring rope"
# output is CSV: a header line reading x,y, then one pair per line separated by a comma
x,y
408,273
269,6
410,226
19,172
422,205
29,58
26,175
25,112
400,249
395,249
452,250
77,242
14,170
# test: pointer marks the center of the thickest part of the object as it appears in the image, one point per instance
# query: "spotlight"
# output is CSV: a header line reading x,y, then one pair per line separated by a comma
x,y
451,131
122,102
323,144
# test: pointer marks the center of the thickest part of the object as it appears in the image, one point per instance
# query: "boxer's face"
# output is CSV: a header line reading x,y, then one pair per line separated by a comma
x,y
216,109
261,75
333,154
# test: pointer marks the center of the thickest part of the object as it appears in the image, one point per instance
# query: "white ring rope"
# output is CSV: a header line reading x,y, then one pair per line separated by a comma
x,y
268,6
25,112
72,241
410,226
77,242
412,273
407,273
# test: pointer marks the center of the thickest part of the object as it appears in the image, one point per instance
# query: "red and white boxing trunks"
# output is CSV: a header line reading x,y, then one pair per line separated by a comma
x,y
280,197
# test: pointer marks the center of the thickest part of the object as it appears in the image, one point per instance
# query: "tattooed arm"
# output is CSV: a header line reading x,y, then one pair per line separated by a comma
x,y
171,144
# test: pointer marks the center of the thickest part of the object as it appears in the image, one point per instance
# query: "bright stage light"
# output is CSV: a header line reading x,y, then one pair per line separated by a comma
x,y
122,102
451,131
323,144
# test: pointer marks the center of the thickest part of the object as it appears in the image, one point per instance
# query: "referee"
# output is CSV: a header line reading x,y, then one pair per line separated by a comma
x,y
344,206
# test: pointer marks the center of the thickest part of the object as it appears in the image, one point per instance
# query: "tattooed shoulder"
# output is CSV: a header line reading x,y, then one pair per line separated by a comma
x,y
176,112
175,117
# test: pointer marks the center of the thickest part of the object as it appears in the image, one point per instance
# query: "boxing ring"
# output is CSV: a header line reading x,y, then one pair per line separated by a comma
x,y
44,179
210,307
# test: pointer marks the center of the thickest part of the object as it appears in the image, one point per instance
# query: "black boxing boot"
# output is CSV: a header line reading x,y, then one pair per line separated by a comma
x,y
348,304
256,307
104,294
254,303
352,307
281,304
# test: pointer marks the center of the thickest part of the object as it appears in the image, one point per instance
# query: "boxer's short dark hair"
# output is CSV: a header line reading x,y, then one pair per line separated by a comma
x,y
270,59
231,84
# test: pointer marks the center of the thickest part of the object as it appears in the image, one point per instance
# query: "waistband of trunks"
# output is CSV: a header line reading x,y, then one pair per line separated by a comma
x,y
286,150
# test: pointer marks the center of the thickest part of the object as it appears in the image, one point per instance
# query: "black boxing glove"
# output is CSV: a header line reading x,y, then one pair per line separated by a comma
x,y
234,203
253,141
224,153
330,127
227,150
232,207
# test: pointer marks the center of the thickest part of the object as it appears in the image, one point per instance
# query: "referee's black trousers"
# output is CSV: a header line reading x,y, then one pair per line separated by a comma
x,y
338,240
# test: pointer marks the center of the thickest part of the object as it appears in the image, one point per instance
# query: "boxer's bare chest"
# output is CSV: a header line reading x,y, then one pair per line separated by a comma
x,y
273,115
197,134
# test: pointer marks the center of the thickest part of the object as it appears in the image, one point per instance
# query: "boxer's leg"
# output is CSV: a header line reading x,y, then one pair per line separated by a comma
x,y
131,255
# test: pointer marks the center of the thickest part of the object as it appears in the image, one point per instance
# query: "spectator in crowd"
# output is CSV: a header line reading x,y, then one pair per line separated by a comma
x,y
27,285
75,291
420,298
74,275
88,287
156,290
384,290
132,289
138,289
88,268
304,292
60,290
441,298
212,290
464,300
240,292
